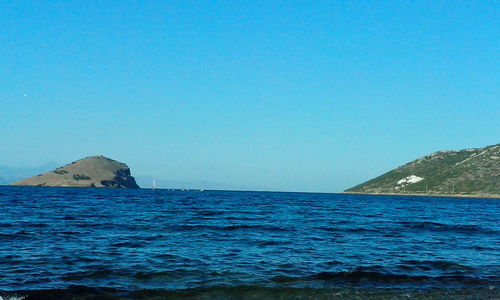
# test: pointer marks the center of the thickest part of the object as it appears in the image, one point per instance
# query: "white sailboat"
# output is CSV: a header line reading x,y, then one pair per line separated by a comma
x,y
154,185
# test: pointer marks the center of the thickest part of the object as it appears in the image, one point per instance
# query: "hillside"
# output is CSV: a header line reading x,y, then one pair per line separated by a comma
x,y
463,172
94,171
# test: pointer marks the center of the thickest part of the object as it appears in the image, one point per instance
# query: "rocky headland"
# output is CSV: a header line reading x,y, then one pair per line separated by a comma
x,y
93,171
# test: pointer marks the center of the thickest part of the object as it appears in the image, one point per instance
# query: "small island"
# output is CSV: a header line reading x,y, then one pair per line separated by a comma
x,y
94,171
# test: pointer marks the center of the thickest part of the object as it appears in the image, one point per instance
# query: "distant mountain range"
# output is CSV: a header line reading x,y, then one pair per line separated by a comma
x,y
162,183
9,175
473,172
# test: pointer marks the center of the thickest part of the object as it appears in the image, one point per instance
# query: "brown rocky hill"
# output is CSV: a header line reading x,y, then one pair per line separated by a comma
x,y
93,171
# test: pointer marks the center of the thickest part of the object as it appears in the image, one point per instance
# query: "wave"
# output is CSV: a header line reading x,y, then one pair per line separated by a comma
x,y
408,273
440,227
196,227
266,243
127,245
373,276
10,260
21,234
250,292
175,274
86,275
439,265
347,229
210,213
359,275
254,227
68,232
12,297
8,235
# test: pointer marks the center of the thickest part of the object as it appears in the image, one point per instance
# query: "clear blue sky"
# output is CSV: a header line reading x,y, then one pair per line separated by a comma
x,y
275,95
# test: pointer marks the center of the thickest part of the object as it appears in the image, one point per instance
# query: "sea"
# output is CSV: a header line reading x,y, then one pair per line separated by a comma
x,y
90,243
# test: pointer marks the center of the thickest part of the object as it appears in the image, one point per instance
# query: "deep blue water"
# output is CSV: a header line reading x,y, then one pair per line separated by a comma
x,y
129,240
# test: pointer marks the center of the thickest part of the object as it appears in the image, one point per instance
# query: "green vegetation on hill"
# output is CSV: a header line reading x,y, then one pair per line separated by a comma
x,y
463,172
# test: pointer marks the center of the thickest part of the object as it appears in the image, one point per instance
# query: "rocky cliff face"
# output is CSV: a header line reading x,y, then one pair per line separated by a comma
x,y
460,172
94,171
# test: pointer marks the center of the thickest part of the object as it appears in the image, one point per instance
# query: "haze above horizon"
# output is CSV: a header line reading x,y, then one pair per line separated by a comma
x,y
271,95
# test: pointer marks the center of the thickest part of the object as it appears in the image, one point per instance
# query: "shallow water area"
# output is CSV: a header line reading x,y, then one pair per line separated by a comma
x,y
215,244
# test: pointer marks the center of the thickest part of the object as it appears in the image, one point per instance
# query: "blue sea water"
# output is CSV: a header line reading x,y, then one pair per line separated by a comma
x,y
225,244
